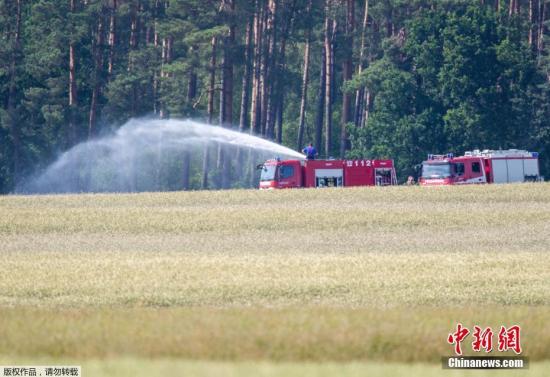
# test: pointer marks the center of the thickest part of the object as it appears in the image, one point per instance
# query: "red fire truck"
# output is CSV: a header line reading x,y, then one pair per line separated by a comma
x,y
488,166
278,174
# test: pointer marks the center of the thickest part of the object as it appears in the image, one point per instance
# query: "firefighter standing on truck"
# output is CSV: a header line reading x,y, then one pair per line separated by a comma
x,y
310,152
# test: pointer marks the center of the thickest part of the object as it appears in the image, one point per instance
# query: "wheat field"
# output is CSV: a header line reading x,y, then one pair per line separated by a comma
x,y
297,282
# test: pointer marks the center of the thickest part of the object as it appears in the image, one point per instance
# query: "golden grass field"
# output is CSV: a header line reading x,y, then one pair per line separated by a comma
x,y
300,282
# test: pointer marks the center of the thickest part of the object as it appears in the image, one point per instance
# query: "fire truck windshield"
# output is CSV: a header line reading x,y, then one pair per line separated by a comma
x,y
268,173
441,170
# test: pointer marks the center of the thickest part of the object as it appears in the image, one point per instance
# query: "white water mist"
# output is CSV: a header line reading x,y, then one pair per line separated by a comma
x,y
146,155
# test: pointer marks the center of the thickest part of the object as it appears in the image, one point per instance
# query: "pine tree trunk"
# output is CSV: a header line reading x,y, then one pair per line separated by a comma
x,y
98,68
226,97
155,23
14,129
210,109
279,71
303,102
329,34
277,97
279,113
158,171
192,80
134,40
245,94
251,168
191,94
366,108
134,25
255,119
186,170
347,75
212,82
321,101
112,37
531,23
167,44
205,167
542,27
156,12
263,74
166,59
270,92
305,80
192,87
72,87
359,94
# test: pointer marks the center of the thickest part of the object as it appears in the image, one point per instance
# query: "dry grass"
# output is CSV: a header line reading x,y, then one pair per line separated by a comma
x,y
234,277
278,275
240,334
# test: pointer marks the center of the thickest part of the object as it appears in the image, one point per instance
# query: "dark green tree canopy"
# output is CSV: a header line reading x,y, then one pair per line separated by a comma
x,y
403,79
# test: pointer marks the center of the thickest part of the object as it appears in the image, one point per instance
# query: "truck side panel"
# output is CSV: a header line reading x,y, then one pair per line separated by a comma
x,y
500,171
509,170
515,170
531,167
358,173
311,167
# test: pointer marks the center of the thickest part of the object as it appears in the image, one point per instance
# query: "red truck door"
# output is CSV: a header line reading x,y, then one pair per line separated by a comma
x,y
290,175
475,171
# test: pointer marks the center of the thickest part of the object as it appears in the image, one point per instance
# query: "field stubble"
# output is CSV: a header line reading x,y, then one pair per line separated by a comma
x,y
319,275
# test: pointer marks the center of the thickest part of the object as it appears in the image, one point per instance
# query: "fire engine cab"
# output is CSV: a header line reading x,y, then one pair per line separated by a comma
x,y
488,166
277,174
